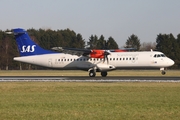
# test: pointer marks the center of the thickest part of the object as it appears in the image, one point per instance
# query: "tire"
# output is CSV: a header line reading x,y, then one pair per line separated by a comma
x,y
103,74
92,73
163,72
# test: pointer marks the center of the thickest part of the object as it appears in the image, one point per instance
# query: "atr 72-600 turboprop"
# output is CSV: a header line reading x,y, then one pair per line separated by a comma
x,y
84,59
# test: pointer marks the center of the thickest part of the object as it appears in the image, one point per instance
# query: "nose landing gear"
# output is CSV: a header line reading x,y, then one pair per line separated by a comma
x,y
163,72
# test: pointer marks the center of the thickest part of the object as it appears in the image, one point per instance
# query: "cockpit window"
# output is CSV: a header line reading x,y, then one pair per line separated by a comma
x,y
159,55
162,55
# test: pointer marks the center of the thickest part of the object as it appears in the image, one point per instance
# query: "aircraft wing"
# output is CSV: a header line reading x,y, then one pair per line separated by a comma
x,y
90,53
72,51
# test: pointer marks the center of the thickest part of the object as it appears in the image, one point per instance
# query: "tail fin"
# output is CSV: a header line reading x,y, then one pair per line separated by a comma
x,y
26,46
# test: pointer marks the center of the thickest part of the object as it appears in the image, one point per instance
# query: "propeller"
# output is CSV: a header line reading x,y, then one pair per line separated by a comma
x,y
106,53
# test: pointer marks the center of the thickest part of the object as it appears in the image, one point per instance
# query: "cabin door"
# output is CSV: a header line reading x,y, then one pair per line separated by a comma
x,y
50,62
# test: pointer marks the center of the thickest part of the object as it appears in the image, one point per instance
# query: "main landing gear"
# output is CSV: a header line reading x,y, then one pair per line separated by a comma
x,y
103,74
92,73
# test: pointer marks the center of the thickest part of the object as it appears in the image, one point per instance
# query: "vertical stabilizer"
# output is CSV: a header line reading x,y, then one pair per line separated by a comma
x,y
27,46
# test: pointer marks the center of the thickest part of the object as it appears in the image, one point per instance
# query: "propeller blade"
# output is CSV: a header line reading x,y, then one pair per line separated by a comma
x,y
106,53
107,59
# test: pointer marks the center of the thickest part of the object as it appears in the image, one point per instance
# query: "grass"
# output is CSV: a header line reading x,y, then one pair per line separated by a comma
x,y
85,73
87,101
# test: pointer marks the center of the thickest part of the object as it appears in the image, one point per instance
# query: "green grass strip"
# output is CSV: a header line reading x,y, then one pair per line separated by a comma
x,y
89,101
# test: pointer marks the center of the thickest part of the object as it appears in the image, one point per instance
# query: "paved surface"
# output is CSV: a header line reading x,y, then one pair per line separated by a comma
x,y
91,79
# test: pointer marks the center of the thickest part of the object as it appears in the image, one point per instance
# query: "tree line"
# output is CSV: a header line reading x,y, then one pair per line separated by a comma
x,y
48,38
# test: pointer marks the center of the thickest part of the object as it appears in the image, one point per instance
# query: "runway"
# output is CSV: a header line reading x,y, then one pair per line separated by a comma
x,y
90,79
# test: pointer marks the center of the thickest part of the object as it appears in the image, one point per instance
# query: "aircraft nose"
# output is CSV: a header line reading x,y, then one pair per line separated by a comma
x,y
170,62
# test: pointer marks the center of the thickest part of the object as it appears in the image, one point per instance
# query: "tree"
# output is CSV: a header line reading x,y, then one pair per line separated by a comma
x,y
101,44
80,41
112,43
170,46
177,51
92,42
146,46
166,44
133,42
8,50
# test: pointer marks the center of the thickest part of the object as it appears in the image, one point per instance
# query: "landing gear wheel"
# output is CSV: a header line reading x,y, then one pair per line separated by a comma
x,y
103,74
92,73
163,72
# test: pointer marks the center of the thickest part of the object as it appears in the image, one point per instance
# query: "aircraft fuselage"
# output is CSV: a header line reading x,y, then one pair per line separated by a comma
x,y
118,60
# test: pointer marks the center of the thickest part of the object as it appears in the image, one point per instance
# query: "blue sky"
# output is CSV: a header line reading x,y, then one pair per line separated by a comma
x,y
116,18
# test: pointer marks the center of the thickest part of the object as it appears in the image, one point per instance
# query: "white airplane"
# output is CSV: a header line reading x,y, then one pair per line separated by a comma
x,y
90,60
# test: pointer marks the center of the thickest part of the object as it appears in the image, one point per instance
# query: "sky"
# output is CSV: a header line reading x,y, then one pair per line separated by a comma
x,y
116,18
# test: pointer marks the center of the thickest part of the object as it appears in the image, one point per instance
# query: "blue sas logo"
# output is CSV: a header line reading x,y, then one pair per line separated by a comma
x,y
28,48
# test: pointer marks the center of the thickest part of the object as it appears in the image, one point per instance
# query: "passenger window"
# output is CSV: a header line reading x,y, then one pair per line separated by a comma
x,y
155,55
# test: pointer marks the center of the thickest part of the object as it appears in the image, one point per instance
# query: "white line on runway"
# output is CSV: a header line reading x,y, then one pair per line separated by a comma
x,y
63,80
